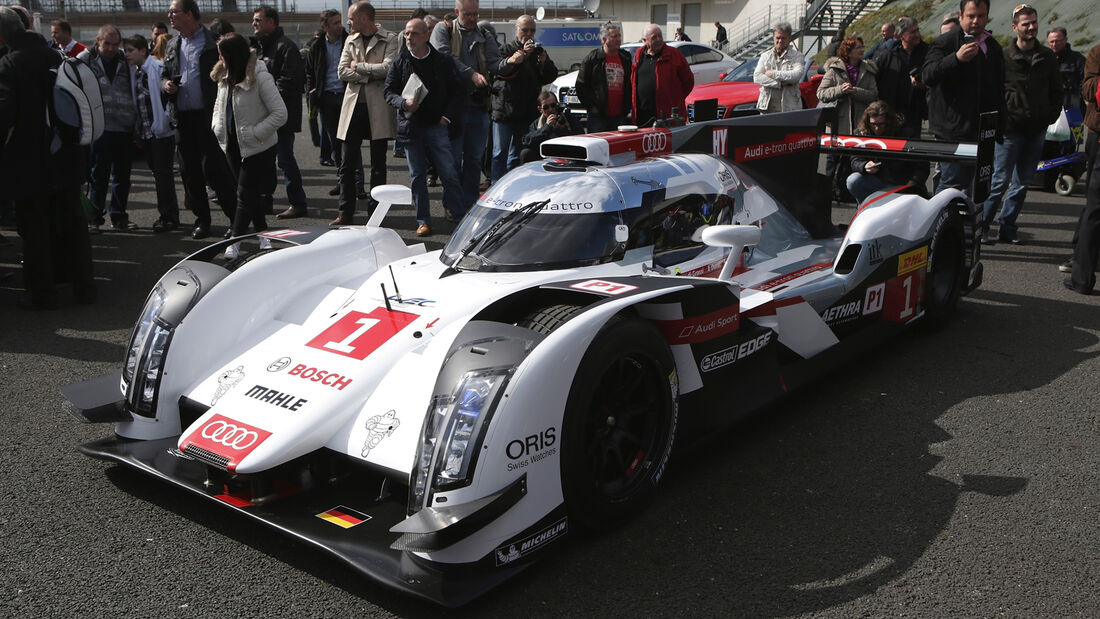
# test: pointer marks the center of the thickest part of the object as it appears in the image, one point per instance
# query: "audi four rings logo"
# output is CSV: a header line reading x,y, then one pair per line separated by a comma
x,y
231,435
862,143
654,142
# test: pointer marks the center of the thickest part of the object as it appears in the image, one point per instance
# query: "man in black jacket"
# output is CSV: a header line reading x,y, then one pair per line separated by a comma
x,y
1072,65
964,71
554,121
424,119
326,90
1033,100
524,68
44,185
186,80
284,63
899,81
603,82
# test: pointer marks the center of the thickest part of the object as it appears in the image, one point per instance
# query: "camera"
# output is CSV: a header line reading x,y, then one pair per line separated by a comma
x,y
537,44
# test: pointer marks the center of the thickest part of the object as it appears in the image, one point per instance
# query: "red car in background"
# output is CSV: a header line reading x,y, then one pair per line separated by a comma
x,y
737,93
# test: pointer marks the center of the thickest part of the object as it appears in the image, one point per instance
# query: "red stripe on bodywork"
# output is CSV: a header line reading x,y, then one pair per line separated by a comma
x,y
700,328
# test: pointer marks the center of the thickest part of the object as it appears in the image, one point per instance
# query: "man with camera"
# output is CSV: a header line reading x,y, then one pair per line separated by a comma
x,y
554,121
524,69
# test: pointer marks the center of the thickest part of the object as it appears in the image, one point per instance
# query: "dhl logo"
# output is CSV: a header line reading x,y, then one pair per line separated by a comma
x,y
912,260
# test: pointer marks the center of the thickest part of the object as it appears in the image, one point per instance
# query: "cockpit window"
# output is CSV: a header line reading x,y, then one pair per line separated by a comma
x,y
541,241
672,226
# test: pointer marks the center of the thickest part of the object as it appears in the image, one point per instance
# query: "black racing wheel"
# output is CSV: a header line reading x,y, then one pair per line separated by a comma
x,y
619,425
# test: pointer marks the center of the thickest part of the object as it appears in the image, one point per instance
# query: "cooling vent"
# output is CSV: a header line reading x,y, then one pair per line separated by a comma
x,y
209,457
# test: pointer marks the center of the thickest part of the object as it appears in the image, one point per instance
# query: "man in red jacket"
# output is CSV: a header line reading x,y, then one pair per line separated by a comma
x,y
660,79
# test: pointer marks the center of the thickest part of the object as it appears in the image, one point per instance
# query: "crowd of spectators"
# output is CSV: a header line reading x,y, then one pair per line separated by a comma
x,y
225,108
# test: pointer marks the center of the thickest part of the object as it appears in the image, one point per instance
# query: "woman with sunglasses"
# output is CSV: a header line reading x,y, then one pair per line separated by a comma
x,y
870,174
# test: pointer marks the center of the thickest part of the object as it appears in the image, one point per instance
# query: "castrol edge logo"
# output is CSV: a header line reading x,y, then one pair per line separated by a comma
x,y
226,437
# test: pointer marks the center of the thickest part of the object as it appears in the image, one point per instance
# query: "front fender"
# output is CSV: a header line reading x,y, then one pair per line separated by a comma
x,y
531,412
254,301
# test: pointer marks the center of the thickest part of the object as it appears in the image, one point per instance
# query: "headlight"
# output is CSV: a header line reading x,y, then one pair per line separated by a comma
x,y
453,432
743,107
145,357
137,341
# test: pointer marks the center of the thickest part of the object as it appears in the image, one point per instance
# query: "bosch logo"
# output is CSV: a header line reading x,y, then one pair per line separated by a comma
x,y
231,435
279,364
654,142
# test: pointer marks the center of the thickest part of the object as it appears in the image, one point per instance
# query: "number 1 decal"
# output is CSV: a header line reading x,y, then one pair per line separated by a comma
x,y
357,335
904,294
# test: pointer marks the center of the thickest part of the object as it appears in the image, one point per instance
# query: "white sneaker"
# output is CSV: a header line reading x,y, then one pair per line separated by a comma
x,y
233,251
265,243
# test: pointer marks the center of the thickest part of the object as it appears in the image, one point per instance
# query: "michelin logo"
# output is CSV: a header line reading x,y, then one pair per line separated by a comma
x,y
730,355
521,548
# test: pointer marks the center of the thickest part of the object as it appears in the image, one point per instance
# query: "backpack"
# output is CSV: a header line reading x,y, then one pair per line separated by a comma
x,y
74,111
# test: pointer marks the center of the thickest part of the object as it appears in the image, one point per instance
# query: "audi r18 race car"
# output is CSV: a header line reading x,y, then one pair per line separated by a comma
x,y
436,420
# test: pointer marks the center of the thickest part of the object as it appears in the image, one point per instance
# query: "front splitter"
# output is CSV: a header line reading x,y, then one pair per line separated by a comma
x,y
364,546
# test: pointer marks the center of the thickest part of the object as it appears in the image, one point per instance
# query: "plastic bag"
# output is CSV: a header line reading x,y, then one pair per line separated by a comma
x,y
1058,131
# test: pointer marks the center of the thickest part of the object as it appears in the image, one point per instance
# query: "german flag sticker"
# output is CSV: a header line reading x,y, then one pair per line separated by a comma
x,y
344,516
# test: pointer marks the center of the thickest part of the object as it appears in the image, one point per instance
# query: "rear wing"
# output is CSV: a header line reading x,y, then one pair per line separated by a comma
x,y
980,154
780,151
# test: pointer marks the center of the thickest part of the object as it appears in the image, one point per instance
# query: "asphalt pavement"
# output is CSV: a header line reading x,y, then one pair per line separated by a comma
x,y
954,474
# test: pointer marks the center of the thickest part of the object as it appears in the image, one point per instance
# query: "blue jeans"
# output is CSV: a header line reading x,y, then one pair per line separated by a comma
x,y
432,143
957,175
863,185
1015,159
507,141
467,150
112,158
284,156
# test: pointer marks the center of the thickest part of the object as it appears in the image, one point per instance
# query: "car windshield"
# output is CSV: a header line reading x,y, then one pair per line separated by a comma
x,y
538,241
742,73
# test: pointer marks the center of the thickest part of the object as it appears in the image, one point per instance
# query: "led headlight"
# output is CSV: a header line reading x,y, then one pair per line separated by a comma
x,y
145,357
744,107
149,314
453,432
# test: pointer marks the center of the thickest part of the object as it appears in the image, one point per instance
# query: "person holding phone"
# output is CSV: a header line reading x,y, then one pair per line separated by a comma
x,y
964,73
873,174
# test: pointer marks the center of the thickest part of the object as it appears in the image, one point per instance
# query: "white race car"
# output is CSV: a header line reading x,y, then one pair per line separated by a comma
x,y
437,419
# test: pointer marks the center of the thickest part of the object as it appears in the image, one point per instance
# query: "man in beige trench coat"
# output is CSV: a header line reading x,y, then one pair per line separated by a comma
x,y
366,59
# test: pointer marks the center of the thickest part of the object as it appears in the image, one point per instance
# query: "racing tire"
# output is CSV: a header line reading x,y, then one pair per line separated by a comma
x,y
548,318
946,275
619,425
1064,184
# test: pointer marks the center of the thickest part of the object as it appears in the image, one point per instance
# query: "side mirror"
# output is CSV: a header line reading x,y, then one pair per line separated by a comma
x,y
722,75
737,238
387,196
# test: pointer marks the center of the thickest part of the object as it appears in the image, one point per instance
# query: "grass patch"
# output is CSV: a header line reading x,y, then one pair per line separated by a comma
x,y
868,25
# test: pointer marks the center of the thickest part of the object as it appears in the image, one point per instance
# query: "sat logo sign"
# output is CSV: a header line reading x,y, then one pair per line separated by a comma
x,y
357,335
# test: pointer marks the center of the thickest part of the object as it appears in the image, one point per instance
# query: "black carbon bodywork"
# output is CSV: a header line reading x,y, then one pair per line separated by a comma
x,y
364,547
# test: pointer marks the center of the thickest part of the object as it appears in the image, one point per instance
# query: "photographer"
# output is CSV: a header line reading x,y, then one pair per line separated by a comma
x,y
524,69
553,122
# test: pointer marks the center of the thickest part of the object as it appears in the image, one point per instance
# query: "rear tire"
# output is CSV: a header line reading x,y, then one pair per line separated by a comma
x,y
619,424
946,276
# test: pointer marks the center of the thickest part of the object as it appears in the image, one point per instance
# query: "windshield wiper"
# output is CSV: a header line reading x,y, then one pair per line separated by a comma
x,y
493,234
